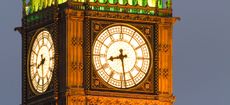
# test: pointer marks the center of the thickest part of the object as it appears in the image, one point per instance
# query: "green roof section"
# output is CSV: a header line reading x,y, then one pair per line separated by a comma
x,y
36,5
130,6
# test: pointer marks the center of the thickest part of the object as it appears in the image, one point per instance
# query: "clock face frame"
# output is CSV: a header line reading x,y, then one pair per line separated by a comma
x,y
41,62
121,56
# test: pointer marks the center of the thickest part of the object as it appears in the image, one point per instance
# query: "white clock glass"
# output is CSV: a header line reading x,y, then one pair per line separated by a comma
x,y
121,56
41,63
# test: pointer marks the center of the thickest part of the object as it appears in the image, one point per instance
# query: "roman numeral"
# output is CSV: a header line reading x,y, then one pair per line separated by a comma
x,y
100,55
51,58
141,58
34,52
111,74
39,80
35,75
34,64
47,77
51,47
121,36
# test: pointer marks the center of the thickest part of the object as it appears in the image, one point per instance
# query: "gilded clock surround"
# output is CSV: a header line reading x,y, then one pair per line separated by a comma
x,y
118,38
147,86
74,27
41,70
31,93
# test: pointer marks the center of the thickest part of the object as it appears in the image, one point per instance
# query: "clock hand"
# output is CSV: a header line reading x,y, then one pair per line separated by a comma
x,y
41,62
112,58
39,65
123,70
121,56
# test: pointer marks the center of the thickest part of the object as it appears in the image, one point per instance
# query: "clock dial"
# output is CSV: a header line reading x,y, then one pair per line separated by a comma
x,y
121,56
41,62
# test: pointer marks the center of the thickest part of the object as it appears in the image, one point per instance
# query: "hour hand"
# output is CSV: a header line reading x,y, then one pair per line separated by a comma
x,y
41,63
38,66
112,58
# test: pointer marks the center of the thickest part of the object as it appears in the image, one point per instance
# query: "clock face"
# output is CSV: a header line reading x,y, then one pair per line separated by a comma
x,y
41,63
121,56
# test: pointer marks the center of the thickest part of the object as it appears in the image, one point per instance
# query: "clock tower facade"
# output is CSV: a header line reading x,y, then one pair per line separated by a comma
x,y
97,52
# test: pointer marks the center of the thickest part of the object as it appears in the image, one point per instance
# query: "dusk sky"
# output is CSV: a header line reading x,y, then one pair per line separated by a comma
x,y
201,52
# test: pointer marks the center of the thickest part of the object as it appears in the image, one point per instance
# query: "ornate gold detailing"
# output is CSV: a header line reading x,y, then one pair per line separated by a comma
x,y
97,82
101,85
80,100
165,57
97,100
74,36
156,58
74,13
80,42
154,90
147,85
129,17
164,73
77,66
163,47
147,31
96,27
122,16
77,41
87,52
101,100
167,98
75,91
74,41
74,65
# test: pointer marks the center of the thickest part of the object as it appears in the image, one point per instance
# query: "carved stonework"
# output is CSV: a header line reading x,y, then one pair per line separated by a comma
x,y
74,27
100,100
97,82
29,93
147,31
164,73
96,100
87,52
156,58
74,65
80,100
163,47
147,85
77,41
74,41
129,17
96,27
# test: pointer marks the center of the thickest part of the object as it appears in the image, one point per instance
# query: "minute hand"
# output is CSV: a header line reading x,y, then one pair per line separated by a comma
x,y
121,56
123,70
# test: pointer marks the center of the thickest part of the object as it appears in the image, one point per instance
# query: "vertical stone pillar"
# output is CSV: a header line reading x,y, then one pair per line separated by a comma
x,y
74,40
165,57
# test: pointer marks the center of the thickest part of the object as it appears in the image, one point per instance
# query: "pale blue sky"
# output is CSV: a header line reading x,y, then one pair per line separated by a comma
x,y
201,52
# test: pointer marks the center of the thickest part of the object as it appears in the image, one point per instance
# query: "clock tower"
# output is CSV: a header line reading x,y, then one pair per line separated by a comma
x,y
97,52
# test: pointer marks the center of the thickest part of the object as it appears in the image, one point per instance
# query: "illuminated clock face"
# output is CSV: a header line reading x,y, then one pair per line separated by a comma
x,y
41,63
121,56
